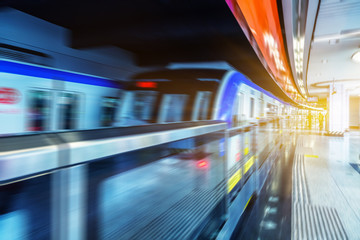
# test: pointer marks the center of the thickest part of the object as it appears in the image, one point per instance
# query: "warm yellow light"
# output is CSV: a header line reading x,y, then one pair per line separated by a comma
x,y
356,57
274,51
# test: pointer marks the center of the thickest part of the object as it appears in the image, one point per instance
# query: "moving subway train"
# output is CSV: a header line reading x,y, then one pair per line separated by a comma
x,y
203,151
199,94
34,98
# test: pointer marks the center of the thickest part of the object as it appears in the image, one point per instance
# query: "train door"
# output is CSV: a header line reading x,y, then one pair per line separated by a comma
x,y
39,110
252,107
108,111
237,112
201,106
137,107
68,110
143,105
262,106
172,108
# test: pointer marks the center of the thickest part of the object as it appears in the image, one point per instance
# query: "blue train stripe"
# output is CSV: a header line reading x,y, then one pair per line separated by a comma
x,y
35,71
229,95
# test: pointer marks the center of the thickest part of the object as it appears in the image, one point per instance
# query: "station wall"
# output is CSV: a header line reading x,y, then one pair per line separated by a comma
x,y
21,30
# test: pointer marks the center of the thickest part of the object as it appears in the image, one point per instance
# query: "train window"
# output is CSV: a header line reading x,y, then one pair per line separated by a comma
x,y
270,110
143,104
252,107
137,107
172,107
237,117
109,106
68,105
39,110
262,107
201,106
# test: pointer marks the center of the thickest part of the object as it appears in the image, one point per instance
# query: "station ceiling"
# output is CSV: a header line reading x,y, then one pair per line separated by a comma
x,y
336,39
158,32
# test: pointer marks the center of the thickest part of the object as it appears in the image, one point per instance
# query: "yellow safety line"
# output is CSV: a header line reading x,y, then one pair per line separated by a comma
x,y
234,179
247,203
246,151
248,164
311,156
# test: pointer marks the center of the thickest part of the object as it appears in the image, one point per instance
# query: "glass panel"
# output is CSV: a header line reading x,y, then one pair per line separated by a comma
x,y
173,106
163,192
25,209
68,104
39,111
204,106
109,107
237,113
252,107
201,107
234,171
271,110
143,104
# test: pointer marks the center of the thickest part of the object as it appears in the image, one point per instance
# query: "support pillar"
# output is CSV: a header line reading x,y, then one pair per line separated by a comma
x,y
338,107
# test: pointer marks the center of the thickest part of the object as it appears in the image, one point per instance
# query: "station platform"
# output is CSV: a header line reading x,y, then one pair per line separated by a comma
x,y
181,181
313,191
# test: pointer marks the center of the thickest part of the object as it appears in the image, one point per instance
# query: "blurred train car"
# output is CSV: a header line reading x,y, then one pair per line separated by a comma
x,y
37,98
197,94
192,180
167,96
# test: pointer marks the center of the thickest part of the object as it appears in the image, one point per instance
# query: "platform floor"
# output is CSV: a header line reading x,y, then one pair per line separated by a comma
x,y
269,216
326,187
316,197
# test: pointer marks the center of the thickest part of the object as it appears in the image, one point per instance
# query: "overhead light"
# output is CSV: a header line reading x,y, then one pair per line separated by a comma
x,y
356,57
334,41
324,61
335,38
274,51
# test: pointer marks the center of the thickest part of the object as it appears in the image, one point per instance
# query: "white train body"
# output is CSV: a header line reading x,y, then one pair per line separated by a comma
x,y
22,84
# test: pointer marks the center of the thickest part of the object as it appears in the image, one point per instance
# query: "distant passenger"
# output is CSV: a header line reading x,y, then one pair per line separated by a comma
x,y
321,121
288,125
277,122
309,121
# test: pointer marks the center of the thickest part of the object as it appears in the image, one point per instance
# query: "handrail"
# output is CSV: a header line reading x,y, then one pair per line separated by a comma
x,y
83,151
26,155
241,128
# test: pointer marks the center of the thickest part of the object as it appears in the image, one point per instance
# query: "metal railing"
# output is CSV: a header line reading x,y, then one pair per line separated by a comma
x,y
164,181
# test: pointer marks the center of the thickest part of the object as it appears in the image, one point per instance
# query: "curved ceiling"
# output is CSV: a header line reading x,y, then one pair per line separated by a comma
x,y
336,39
157,32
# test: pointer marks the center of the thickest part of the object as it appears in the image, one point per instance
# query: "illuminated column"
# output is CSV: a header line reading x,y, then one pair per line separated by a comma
x,y
338,108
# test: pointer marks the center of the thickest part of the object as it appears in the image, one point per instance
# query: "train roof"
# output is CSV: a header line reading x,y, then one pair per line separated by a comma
x,y
207,75
171,74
